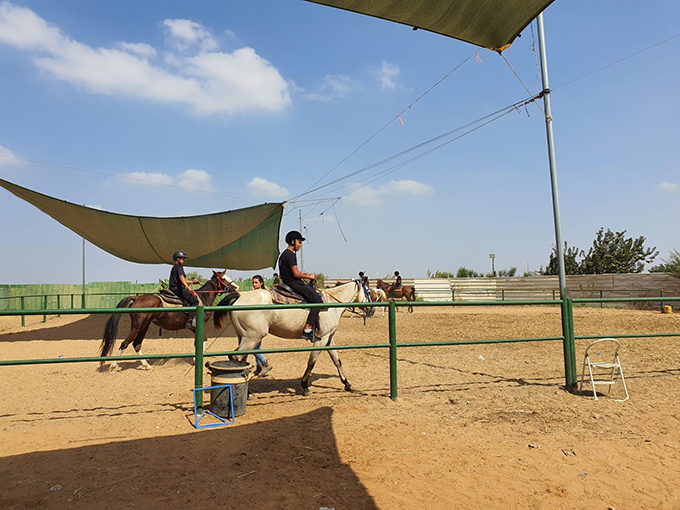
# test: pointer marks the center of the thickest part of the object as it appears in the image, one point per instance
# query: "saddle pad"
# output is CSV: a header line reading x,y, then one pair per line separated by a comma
x,y
286,299
169,300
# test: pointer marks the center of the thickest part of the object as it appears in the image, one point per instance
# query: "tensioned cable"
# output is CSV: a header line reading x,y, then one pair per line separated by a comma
x,y
125,177
398,116
618,61
520,80
556,88
511,107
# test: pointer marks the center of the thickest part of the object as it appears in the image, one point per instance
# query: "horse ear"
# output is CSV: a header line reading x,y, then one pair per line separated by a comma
x,y
223,272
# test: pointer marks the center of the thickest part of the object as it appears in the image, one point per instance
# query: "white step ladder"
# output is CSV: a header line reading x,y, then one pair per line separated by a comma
x,y
609,346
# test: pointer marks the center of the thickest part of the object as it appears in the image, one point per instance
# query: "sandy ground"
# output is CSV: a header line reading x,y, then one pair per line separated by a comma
x,y
480,426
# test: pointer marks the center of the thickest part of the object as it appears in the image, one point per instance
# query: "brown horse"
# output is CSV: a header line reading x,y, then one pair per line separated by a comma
x,y
404,292
171,321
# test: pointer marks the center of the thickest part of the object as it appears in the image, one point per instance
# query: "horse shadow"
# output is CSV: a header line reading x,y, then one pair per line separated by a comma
x,y
270,464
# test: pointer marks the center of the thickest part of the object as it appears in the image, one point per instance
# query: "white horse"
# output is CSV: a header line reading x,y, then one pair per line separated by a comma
x,y
252,326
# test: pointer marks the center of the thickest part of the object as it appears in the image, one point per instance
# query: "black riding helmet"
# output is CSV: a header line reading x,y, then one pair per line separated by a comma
x,y
396,273
361,274
292,236
179,254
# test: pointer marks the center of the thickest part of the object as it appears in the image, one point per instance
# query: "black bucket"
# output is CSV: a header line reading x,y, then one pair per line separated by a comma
x,y
236,373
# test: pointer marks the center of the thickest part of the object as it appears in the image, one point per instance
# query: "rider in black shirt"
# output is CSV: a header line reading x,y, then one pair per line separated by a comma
x,y
179,285
292,276
396,284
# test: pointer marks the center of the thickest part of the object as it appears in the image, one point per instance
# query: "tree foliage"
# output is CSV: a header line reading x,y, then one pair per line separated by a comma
x,y
611,252
670,266
464,272
439,274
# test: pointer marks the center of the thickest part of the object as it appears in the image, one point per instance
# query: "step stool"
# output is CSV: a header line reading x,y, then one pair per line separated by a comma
x,y
610,345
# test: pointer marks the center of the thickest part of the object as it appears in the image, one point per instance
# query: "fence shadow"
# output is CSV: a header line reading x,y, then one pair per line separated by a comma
x,y
288,463
91,327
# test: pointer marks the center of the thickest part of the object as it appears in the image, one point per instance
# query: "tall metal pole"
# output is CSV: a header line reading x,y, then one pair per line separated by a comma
x,y
83,300
569,350
302,257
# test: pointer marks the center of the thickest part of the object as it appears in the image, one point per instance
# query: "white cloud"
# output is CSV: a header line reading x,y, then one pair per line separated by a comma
x,y
208,82
386,75
669,186
264,189
141,49
334,86
229,33
185,33
198,180
7,158
367,195
147,178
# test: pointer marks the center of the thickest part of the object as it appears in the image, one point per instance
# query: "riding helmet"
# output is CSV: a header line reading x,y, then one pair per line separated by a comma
x,y
292,236
361,274
396,273
179,254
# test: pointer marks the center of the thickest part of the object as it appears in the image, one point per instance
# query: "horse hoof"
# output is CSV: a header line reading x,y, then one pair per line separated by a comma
x,y
348,387
114,369
305,392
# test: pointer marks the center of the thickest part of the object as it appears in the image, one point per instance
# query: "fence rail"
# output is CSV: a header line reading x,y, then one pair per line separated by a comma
x,y
567,337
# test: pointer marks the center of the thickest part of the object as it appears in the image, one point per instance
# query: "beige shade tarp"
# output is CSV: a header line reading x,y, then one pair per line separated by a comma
x,y
245,239
492,24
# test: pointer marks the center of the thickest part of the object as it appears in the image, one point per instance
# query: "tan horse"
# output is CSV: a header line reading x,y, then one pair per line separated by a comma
x,y
405,292
252,326
379,296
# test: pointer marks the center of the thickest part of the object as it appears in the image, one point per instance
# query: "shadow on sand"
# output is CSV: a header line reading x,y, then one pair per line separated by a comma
x,y
291,462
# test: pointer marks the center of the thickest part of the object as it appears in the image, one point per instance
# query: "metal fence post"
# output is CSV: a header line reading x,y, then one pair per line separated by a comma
x,y
569,344
23,317
661,291
71,301
502,294
58,304
45,307
393,349
601,303
198,359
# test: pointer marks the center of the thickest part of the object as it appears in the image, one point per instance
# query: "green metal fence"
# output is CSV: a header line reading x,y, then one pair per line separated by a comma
x,y
567,336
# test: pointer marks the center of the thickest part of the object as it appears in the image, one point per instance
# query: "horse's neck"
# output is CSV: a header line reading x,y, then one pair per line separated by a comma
x,y
206,296
345,293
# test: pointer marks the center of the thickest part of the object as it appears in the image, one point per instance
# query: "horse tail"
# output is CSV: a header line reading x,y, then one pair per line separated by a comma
x,y
413,293
220,315
111,328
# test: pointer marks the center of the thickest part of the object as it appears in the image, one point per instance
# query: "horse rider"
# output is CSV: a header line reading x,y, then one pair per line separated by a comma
x,y
396,285
263,366
179,286
276,279
364,279
292,276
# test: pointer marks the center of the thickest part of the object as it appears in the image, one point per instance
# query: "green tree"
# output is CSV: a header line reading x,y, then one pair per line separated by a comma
x,y
439,274
612,252
670,266
571,262
464,272
508,272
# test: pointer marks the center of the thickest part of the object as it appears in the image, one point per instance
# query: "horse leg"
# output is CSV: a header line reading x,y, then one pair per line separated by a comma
x,y
313,356
134,331
338,364
137,344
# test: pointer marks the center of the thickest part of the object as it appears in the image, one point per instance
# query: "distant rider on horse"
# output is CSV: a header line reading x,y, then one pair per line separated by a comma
x,y
364,279
396,285
179,285
292,276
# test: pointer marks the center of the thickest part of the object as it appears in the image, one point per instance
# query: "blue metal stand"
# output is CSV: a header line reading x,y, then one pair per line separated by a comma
x,y
222,421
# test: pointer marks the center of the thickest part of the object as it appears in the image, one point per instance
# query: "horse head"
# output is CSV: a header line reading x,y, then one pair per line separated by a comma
x,y
222,283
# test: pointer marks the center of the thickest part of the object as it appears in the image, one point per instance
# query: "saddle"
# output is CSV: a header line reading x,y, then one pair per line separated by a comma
x,y
169,299
282,294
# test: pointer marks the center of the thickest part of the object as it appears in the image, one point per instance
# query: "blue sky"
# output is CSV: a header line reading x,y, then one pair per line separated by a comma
x,y
180,108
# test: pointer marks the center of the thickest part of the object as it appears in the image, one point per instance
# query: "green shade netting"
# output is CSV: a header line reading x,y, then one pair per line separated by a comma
x,y
241,239
492,24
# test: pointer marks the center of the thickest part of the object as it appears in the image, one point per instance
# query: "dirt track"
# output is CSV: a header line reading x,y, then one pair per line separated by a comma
x,y
481,426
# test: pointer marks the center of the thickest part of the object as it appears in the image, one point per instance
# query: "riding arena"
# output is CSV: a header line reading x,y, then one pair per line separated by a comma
x,y
475,423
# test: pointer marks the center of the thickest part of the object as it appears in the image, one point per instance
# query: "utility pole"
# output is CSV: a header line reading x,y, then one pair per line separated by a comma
x,y
492,256
302,257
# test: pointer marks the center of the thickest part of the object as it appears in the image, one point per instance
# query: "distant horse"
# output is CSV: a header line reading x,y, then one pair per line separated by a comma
x,y
405,292
379,296
252,326
140,322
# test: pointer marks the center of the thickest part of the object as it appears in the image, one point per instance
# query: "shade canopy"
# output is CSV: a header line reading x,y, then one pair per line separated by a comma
x,y
242,239
491,24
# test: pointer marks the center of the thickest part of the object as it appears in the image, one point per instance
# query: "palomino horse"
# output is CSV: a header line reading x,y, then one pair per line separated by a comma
x,y
405,292
170,321
252,326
